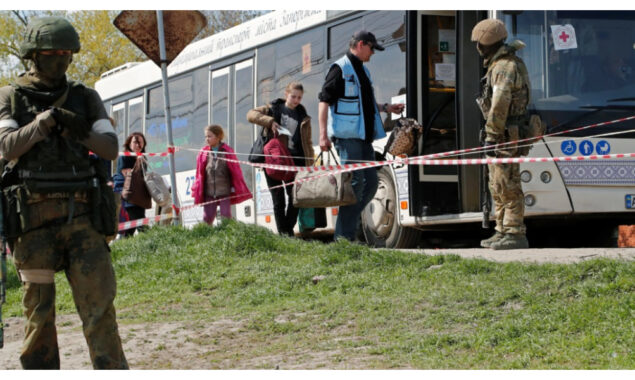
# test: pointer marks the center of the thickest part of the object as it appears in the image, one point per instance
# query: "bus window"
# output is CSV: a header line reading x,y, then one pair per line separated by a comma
x,y
590,63
340,36
244,102
118,114
266,74
220,100
135,115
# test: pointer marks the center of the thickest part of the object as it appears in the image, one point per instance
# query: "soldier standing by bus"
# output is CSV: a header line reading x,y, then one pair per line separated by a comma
x,y
504,99
53,196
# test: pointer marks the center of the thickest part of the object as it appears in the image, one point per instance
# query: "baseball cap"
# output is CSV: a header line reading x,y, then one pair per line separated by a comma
x,y
368,37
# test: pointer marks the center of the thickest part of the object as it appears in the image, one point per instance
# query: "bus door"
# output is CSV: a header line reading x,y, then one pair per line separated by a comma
x,y
231,97
435,190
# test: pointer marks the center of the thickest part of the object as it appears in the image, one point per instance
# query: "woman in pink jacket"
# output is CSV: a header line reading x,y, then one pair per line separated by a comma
x,y
217,180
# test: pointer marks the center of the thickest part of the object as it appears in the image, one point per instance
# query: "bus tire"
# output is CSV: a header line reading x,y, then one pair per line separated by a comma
x,y
380,222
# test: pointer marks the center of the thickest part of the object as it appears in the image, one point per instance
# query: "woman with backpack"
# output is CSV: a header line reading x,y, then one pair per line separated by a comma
x,y
218,181
285,116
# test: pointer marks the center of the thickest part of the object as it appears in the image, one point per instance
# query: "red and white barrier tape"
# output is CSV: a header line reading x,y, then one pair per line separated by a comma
x,y
430,159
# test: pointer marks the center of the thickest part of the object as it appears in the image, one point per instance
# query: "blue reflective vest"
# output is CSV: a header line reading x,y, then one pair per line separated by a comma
x,y
345,117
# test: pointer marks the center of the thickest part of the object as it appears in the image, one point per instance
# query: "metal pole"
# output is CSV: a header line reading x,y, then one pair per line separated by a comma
x,y
168,115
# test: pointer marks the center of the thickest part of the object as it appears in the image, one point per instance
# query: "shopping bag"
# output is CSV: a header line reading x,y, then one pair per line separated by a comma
x,y
311,218
324,190
134,189
158,189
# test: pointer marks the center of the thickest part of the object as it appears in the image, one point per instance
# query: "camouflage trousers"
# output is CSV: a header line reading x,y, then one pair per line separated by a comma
x,y
509,203
82,253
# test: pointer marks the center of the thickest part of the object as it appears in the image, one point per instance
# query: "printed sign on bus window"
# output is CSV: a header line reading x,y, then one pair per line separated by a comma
x,y
564,37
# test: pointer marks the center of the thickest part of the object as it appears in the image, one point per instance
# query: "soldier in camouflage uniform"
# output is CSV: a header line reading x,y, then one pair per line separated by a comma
x,y
504,106
52,183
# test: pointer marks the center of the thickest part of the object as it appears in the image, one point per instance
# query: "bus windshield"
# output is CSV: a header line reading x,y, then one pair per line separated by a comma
x,y
576,59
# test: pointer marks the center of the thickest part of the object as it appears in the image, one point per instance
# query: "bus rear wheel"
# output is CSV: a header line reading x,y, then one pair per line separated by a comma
x,y
380,222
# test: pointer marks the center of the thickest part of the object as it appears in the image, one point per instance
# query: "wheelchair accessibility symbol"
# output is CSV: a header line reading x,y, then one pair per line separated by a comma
x,y
568,147
586,147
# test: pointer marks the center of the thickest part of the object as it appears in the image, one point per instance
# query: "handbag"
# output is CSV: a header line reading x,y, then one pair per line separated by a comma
x,y
257,152
277,153
404,137
325,190
134,189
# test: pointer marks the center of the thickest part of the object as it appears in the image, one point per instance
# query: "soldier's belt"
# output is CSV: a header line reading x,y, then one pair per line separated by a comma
x,y
79,196
48,176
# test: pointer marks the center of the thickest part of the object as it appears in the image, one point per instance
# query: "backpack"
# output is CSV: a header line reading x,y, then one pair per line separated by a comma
x,y
277,153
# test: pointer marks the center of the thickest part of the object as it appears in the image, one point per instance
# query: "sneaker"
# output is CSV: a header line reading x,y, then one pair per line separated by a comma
x,y
487,243
511,241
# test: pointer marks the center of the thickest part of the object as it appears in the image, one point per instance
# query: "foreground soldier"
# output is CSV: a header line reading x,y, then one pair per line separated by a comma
x,y
53,197
504,106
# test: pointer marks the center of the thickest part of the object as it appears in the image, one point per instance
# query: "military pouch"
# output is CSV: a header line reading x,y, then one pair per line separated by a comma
x,y
532,130
15,211
104,208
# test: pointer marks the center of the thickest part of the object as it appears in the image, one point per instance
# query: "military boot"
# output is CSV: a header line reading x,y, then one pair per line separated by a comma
x,y
487,243
511,241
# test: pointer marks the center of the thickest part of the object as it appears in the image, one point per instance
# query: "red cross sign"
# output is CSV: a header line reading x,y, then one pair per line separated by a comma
x,y
563,37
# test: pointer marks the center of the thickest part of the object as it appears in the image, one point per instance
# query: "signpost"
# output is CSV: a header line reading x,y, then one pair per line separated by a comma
x,y
150,31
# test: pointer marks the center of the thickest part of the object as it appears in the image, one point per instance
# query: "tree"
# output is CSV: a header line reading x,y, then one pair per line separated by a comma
x,y
217,21
103,47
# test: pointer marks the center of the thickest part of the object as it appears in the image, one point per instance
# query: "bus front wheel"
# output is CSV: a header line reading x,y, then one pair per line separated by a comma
x,y
380,222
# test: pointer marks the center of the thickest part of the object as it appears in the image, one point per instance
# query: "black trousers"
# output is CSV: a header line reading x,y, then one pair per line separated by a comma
x,y
134,212
285,214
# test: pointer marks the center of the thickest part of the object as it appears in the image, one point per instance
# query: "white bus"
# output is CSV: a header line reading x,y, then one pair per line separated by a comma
x,y
581,71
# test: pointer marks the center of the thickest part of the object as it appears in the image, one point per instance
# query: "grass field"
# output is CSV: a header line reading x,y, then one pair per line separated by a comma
x,y
393,309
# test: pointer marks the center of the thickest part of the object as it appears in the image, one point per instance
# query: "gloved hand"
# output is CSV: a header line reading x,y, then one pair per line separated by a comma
x,y
75,126
45,122
489,151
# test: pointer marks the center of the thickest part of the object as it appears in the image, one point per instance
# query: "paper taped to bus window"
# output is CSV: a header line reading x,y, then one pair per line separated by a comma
x,y
564,37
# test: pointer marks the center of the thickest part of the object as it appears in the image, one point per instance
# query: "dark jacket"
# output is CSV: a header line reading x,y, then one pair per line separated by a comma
x,y
266,115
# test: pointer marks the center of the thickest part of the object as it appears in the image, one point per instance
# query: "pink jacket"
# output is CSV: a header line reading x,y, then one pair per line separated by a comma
x,y
240,192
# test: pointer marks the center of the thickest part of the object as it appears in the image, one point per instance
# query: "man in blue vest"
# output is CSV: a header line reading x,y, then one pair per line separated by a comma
x,y
348,115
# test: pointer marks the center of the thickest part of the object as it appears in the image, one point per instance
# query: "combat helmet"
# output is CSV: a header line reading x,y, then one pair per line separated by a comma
x,y
489,31
49,33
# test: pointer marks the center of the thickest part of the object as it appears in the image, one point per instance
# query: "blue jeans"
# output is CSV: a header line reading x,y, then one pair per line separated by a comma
x,y
364,184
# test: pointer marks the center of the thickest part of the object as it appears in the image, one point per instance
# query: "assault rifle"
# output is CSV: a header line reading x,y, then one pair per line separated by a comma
x,y
3,251
3,274
3,285
485,195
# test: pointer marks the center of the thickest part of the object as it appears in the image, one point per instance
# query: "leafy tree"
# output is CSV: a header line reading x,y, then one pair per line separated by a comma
x,y
103,46
217,21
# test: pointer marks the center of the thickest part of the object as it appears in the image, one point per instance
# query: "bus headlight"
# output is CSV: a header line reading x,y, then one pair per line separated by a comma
x,y
525,176
545,177
530,200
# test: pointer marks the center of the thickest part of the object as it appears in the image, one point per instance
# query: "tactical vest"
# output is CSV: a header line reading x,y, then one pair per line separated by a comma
x,y
520,99
55,164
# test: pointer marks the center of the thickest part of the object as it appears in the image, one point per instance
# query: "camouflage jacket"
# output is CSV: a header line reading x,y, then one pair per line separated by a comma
x,y
505,91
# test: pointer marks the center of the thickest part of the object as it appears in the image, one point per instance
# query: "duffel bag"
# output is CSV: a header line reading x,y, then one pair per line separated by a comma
x,y
318,189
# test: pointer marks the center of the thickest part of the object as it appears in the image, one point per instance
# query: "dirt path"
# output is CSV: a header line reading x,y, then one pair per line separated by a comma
x,y
535,255
198,345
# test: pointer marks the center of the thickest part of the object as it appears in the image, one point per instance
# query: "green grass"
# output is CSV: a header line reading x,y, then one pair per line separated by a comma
x,y
394,309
